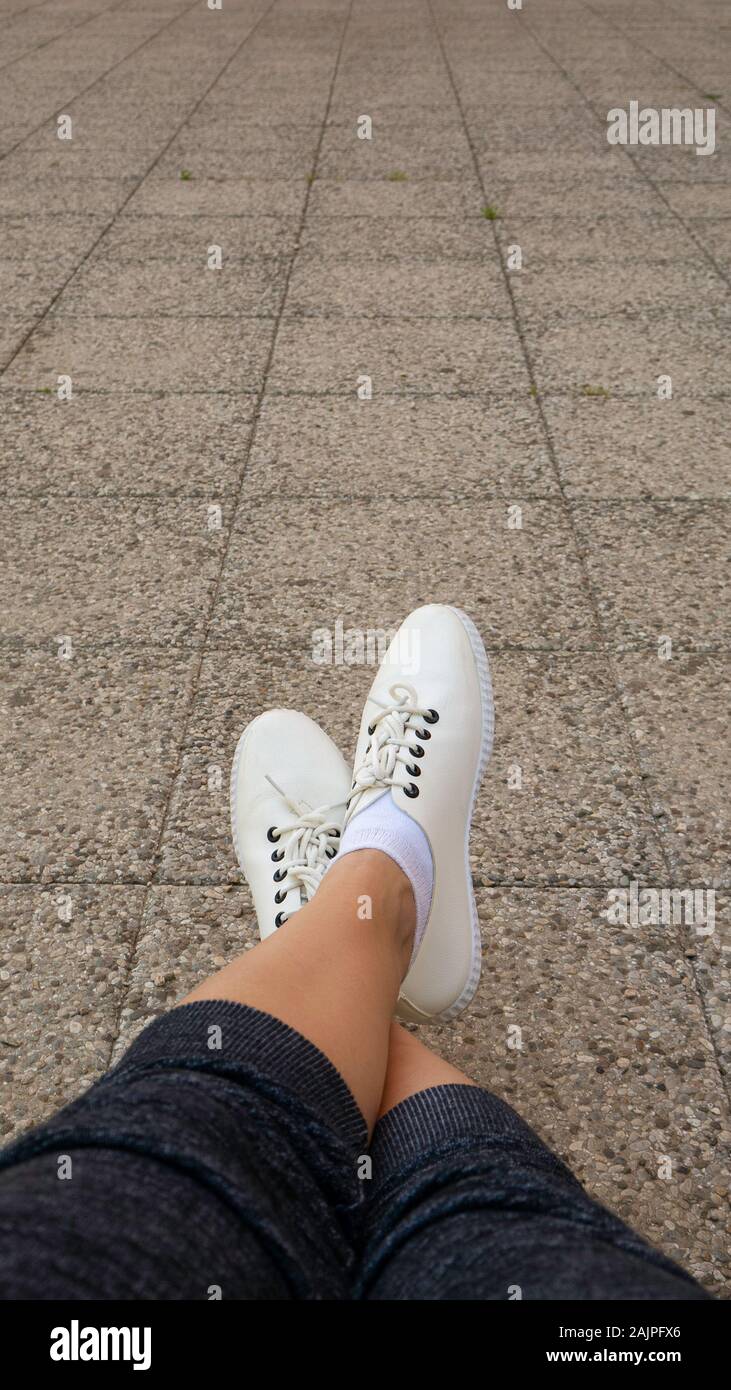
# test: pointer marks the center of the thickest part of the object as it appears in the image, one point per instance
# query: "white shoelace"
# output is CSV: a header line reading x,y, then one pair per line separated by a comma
x,y
304,842
391,743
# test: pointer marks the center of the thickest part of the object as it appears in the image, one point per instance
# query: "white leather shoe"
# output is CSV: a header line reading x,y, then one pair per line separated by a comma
x,y
425,737
289,785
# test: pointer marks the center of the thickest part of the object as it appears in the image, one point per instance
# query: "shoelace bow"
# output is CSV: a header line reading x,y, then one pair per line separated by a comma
x,y
390,744
305,841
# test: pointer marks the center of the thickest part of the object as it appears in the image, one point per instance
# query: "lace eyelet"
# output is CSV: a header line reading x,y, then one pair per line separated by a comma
x,y
279,896
371,729
432,717
336,833
416,751
279,874
272,834
413,770
422,733
280,919
277,855
411,790
331,852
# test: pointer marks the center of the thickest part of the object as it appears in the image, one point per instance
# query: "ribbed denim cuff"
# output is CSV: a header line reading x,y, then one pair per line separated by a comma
x,y
443,1118
253,1045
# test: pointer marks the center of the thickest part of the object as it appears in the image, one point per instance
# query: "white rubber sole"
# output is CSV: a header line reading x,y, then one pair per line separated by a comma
x,y
410,1012
240,746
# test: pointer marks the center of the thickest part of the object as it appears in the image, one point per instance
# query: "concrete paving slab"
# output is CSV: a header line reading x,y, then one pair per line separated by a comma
x,y
145,354
164,556
642,591
105,289
575,291
626,355
642,448
398,290
395,197
89,750
378,239
508,578
157,238
65,955
676,712
465,448
226,197
400,357
123,442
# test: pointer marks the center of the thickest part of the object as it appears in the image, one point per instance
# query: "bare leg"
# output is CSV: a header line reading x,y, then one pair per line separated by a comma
x,y
413,1067
333,975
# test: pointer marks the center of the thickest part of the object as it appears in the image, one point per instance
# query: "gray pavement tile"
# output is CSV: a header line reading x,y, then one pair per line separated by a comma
x,y
677,713
599,240
347,564
223,197
626,355
145,354
403,448
163,554
258,161
34,196
388,290
394,197
123,442
365,239
13,332
30,289
404,357
562,802
641,448
73,162
187,934
130,289
417,151
615,1069
180,238
599,289
659,570
89,750
62,241
61,986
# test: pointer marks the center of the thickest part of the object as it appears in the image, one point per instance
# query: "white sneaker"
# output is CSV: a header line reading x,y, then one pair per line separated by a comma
x,y
289,785
425,737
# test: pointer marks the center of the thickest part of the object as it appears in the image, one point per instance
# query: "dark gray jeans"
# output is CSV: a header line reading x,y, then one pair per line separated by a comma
x,y
225,1157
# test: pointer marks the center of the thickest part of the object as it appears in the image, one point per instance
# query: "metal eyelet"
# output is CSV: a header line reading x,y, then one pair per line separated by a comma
x,y
272,834
411,790
413,771
280,919
416,751
279,896
432,717
336,833
331,852
277,855
279,874
371,729
422,733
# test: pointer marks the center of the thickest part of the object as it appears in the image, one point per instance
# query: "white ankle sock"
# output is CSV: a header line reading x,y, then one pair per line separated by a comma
x,y
383,825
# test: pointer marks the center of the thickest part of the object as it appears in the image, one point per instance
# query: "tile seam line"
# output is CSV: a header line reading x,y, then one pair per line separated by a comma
x,y
659,839
195,675
70,28
84,90
139,181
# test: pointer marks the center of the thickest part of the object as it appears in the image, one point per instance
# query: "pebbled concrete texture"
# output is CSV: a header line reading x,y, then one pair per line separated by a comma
x,y
215,490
